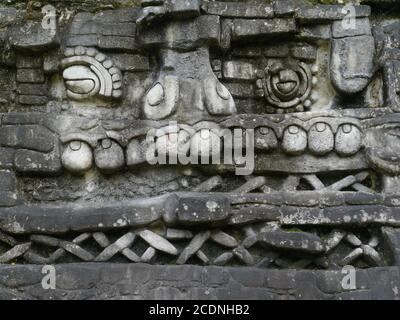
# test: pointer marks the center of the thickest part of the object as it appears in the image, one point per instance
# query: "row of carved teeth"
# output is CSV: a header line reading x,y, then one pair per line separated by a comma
x,y
109,156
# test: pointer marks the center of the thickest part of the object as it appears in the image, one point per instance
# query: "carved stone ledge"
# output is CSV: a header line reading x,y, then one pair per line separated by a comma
x,y
194,283
208,209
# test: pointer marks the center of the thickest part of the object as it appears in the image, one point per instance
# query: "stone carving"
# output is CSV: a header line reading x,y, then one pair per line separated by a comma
x,y
352,56
188,79
289,86
382,148
79,156
185,78
89,73
103,187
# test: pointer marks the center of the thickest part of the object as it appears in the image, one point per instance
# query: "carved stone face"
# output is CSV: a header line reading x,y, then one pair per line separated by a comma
x,y
289,85
383,148
285,84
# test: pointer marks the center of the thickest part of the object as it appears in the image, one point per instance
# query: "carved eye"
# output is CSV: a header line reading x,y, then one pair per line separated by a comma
x,y
77,157
88,73
81,80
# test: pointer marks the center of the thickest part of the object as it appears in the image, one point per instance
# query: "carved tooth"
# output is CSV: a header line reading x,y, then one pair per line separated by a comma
x,y
321,139
77,157
294,140
348,140
109,156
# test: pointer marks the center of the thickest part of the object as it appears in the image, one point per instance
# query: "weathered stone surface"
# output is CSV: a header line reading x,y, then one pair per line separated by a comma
x,y
328,12
33,38
249,29
187,34
202,209
9,16
352,63
115,281
362,28
6,158
315,33
392,240
296,241
128,62
237,9
59,219
33,89
76,106
27,161
158,242
194,246
14,253
304,52
238,70
124,242
31,137
8,199
29,62
30,76
32,100
7,181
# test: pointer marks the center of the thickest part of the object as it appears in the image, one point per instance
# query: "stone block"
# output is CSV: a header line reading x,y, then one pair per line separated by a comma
x,y
7,181
202,209
321,13
304,52
33,38
315,32
239,70
7,199
33,89
277,51
239,9
32,162
117,43
187,34
183,8
33,137
6,158
130,62
251,28
362,27
29,62
32,100
352,63
30,76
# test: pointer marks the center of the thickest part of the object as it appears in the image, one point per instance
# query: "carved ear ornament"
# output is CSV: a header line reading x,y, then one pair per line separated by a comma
x,y
288,86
